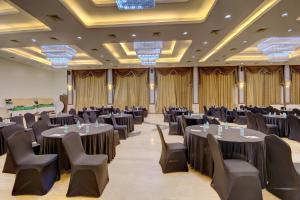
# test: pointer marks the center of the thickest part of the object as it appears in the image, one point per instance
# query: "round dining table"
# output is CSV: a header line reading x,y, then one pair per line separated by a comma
x,y
95,139
62,119
249,147
121,119
3,148
190,120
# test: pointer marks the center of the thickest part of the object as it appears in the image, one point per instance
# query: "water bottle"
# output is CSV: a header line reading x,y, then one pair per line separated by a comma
x,y
226,125
97,124
87,128
242,131
78,124
270,114
220,129
66,128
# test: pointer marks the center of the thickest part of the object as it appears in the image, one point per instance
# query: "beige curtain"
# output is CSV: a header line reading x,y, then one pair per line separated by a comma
x,y
91,90
174,88
216,88
295,85
131,90
263,87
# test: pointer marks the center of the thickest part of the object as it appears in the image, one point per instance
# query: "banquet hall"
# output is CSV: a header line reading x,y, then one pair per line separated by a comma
x,y
150,99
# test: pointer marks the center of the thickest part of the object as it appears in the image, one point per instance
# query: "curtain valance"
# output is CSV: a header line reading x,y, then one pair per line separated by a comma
x,y
264,69
217,70
176,70
130,72
86,73
295,68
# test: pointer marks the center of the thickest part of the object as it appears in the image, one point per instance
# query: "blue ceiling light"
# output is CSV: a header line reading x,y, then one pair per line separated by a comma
x,y
59,55
278,49
135,4
148,52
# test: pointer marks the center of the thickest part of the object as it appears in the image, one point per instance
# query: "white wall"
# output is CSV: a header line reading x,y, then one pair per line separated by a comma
x,y
18,80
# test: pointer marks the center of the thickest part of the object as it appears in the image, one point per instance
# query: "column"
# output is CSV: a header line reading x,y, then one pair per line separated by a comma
x,y
195,107
152,90
241,89
287,84
109,87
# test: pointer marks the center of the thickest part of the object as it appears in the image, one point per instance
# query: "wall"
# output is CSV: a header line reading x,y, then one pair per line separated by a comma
x,y
18,80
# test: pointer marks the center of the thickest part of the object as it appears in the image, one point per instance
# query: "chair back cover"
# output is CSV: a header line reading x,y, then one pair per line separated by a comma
x,y
261,123
281,172
72,111
101,120
45,116
29,119
162,139
38,127
113,119
19,145
7,131
73,146
18,120
251,121
294,124
93,117
86,117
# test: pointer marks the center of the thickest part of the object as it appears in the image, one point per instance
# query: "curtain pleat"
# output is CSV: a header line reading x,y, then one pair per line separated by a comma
x,y
295,87
216,89
174,89
90,91
131,90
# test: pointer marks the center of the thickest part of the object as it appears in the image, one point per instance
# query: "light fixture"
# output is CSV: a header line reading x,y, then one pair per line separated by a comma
x,y
193,56
205,42
135,4
148,52
79,37
278,49
227,16
245,41
185,33
33,40
241,85
287,84
69,87
133,35
151,86
290,30
285,14
109,87
59,55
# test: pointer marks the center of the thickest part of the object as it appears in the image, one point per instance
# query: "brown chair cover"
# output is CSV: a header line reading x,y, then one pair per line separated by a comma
x,y
76,118
89,173
173,126
72,111
233,179
266,128
35,173
173,155
38,127
283,175
294,124
45,117
241,120
251,121
29,119
101,120
122,129
93,117
137,119
86,118
18,120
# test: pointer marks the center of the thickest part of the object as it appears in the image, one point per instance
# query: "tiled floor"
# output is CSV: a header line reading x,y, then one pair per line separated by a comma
x,y
136,175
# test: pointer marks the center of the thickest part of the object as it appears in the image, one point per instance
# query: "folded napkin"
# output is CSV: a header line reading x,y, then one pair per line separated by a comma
x,y
251,137
217,136
196,130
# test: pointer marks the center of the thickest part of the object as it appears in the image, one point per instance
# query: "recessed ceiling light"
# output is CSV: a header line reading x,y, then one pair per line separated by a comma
x,y
245,41
193,56
101,55
133,35
79,37
185,33
290,30
227,16
285,14
33,40
205,42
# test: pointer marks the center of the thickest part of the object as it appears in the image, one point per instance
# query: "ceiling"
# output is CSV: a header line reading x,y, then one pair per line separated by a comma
x,y
194,32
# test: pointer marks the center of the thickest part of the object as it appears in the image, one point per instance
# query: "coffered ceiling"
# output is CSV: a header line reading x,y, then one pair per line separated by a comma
x,y
193,32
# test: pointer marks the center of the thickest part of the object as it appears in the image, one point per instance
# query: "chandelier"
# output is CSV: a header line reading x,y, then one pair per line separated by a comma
x,y
59,55
135,4
278,49
148,52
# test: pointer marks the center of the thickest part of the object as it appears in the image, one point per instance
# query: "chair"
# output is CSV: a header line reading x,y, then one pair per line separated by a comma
x,y
38,128
45,117
251,121
296,111
1,119
205,110
283,175
233,179
29,119
165,115
76,119
35,173
265,128
173,127
241,120
101,120
93,117
137,118
89,173
173,155
122,129
86,118
19,120
9,165
72,111
294,124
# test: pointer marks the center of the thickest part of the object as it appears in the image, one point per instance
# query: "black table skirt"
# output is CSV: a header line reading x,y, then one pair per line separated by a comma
x,y
2,143
65,120
282,123
122,120
200,158
102,143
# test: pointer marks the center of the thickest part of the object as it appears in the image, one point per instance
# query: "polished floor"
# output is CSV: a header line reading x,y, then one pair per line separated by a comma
x,y
136,175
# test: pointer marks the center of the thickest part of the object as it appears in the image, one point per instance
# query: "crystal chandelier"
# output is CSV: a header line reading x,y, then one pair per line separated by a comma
x,y
59,55
148,52
278,49
135,4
